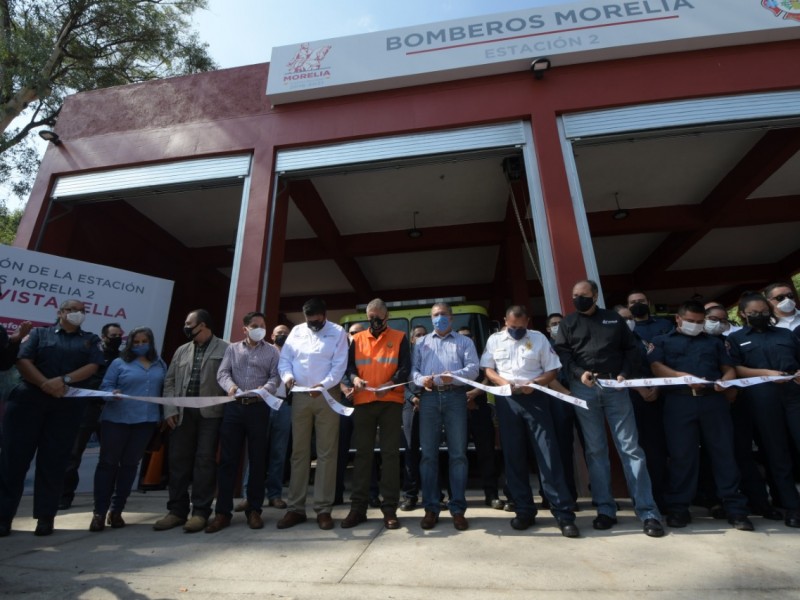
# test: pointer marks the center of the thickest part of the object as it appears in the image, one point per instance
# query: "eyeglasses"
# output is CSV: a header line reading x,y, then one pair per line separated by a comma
x,y
782,297
717,319
760,314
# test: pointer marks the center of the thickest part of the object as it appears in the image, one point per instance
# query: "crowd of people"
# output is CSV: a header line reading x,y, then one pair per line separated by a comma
x,y
684,430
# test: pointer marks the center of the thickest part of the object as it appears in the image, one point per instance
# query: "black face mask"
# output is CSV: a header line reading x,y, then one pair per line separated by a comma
x,y
376,325
280,339
640,310
316,325
190,332
113,344
759,321
583,303
517,332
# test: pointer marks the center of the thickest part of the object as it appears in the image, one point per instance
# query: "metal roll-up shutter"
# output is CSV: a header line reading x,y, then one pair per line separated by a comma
x,y
171,175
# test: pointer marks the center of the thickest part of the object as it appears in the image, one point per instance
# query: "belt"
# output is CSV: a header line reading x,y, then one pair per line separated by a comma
x,y
245,400
445,388
604,375
687,391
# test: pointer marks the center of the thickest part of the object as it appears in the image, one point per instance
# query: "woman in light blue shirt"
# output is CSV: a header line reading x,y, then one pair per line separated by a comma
x,y
126,425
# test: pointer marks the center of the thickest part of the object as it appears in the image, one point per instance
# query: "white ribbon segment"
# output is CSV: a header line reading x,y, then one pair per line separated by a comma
x,y
185,402
505,390
692,380
273,402
335,406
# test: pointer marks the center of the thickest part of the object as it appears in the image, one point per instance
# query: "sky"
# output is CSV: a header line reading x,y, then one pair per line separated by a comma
x,y
243,32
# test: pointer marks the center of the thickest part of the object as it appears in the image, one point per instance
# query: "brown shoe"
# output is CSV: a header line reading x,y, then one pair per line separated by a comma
x,y
220,521
290,519
115,520
352,519
98,523
324,520
254,520
460,522
242,506
390,520
276,503
429,520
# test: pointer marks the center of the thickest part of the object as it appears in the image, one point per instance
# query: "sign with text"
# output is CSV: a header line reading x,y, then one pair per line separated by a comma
x,y
488,45
33,285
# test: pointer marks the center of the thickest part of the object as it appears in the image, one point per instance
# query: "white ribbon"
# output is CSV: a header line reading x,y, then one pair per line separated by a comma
x,y
505,390
383,388
335,406
691,379
273,402
559,395
183,401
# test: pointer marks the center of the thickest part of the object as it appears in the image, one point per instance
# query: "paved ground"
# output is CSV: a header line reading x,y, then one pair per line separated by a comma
x,y
490,561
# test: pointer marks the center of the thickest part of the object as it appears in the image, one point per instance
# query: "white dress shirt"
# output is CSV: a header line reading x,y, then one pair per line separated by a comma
x,y
314,358
519,361
791,322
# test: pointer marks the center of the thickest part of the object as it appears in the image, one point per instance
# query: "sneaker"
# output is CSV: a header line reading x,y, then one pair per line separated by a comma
x,y
168,522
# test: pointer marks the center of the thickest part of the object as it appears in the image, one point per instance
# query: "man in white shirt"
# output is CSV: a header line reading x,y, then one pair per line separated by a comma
x,y
515,357
783,298
314,356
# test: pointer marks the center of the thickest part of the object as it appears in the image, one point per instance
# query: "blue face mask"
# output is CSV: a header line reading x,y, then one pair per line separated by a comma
x,y
517,332
140,350
441,322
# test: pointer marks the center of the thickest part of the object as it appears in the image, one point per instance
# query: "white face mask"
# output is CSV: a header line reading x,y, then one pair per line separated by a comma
x,y
713,327
787,305
553,331
691,329
631,323
257,334
75,318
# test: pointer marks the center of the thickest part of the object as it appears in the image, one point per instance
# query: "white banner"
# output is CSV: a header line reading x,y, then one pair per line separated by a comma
x,y
335,406
33,285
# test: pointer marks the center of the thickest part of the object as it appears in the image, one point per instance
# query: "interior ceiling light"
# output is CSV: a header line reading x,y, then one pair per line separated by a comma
x,y
620,213
414,233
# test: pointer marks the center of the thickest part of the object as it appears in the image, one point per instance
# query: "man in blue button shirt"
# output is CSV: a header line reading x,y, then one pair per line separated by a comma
x,y
39,418
437,357
694,408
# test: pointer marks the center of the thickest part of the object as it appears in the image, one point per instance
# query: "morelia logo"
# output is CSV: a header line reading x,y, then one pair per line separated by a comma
x,y
307,64
785,9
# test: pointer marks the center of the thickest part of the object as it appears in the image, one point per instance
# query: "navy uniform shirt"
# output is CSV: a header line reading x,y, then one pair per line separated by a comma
x,y
774,348
598,343
56,352
701,355
652,327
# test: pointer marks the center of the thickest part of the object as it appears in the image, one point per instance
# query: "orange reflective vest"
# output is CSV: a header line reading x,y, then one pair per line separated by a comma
x,y
377,360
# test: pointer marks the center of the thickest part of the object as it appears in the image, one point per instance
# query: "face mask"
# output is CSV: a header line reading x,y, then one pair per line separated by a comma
x,y
75,318
517,332
786,305
640,310
554,331
315,325
631,324
190,333
257,334
441,322
713,327
376,324
583,303
141,349
280,339
113,343
758,321
691,329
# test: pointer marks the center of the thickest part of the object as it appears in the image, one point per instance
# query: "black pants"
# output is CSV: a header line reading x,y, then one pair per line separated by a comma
x,y
480,428
90,424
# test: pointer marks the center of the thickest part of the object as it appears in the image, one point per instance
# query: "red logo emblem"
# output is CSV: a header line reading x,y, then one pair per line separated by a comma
x,y
307,65
785,9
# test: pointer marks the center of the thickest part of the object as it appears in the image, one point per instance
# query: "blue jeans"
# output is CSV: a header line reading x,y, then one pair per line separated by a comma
x,y
448,409
280,428
614,406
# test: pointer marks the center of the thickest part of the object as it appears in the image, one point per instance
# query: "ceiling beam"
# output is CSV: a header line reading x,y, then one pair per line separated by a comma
x,y
312,207
768,155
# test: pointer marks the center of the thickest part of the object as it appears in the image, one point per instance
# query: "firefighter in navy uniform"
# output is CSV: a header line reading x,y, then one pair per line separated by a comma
x,y
39,419
690,410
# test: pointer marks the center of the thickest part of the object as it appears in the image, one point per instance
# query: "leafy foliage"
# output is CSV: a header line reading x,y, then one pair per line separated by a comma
x,y
9,221
52,48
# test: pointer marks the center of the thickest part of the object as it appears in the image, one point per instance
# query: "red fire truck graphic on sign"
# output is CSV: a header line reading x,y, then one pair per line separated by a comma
x,y
785,9
307,59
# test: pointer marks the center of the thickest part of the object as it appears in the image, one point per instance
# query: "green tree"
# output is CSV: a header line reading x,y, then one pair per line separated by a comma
x,y
9,221
52,48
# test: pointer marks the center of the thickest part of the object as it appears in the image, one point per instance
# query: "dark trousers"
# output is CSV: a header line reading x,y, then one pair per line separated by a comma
x,y
193,461
90,424
652,440
239,423
526,420
35,423
775,410
565,424
368,419
481,429
346,428
412,454
685,417
753,485
121,450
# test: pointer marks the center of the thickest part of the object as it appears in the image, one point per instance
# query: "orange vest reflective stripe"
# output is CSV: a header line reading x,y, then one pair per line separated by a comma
x,y
376,361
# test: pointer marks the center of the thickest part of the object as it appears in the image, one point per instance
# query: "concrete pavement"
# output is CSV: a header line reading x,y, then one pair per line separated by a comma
x,y
489,561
